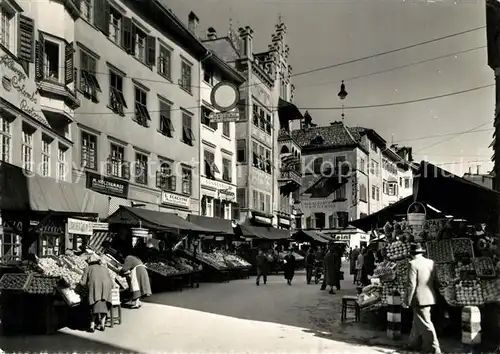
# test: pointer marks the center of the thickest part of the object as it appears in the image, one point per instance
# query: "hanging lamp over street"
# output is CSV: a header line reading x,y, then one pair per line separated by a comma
x,y
342,93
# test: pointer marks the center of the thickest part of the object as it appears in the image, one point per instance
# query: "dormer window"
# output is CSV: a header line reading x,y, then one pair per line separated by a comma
x,y
318,140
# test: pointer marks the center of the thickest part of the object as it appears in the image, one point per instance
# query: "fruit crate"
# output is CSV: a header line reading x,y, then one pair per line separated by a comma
x,y
462,247
484,267
440,251
42,285
14,281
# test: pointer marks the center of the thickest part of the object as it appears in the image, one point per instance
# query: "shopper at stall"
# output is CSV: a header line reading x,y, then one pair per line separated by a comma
x,y
138,279
421,296
262,263
369,262
96,277
310,262
331,270
289,267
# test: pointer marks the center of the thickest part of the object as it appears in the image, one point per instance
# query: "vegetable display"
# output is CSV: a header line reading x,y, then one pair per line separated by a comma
x,y
41,285
469,293
162,268
491,290
440,251
462,247
14,281
484,267
398,250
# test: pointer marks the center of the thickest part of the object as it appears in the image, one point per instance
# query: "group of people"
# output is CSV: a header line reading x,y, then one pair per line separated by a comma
x,y
263,266
98,281
361,264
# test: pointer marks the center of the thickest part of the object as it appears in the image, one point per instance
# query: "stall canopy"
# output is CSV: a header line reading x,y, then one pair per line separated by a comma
x,y
20,192
310,236
219,226
263,232
455,195
152,219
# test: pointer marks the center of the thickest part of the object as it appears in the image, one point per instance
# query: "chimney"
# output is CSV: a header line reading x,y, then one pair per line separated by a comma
x,y
211,33
246,35
193,23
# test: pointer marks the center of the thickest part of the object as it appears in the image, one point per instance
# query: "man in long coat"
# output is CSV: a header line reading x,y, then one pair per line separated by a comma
x,y
353,256
331,271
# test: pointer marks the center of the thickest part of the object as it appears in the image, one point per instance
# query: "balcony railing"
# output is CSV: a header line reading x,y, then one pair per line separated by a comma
x,y
290,176
118,168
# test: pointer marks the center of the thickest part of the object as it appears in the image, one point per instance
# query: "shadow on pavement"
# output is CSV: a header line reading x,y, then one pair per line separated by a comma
x,y
56,343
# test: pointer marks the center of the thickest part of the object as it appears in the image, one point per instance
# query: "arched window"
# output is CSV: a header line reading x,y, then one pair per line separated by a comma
x,y
285,150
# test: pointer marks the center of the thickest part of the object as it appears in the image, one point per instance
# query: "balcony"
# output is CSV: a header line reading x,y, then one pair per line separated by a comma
x,y
290,180
58,91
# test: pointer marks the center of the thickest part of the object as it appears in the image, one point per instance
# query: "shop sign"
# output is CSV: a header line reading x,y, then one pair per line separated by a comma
x,y
175,199
363,237
354,189
17,81
49,226
263,220
79,227
106,185
100,226
283,221
222,187
317,204
343,237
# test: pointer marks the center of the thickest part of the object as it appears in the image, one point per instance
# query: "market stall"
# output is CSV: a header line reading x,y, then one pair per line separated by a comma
x,y
465,253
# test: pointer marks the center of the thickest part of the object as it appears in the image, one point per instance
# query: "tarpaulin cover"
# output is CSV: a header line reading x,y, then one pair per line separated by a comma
x,y
152,219
219,226
264,232
311,235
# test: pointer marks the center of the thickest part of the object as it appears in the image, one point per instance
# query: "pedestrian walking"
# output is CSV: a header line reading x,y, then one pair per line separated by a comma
x,y
359,268
262,262
369,262
421,296
331,270
310,263
338,265
353,256
289,267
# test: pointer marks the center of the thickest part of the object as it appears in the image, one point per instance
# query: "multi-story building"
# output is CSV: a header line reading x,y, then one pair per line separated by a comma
x,y
138,136
218,140
258,163
347,173
485,180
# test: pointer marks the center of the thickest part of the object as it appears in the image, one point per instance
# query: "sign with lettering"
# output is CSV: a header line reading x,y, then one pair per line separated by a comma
x,y
100,226
175,199
317,204
222,187
80,227
18,89
106,185
354,189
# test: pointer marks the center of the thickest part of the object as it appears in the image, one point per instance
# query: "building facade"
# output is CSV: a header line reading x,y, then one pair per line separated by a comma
x,y
218,141
138,136
347,173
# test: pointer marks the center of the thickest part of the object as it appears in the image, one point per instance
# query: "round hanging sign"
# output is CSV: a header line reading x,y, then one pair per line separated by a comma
x,y
224,96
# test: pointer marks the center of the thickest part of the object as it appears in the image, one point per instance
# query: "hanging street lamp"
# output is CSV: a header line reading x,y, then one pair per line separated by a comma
x,y
342,93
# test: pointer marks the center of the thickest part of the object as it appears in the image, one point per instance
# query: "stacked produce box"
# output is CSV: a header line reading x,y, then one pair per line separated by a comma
x,y
221,260
176,266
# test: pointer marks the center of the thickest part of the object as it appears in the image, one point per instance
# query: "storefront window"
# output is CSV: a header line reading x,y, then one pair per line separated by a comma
x,y
50,245
10,247
27,149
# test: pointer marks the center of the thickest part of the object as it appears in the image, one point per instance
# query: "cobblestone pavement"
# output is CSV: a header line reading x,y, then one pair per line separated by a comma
x,y
231,317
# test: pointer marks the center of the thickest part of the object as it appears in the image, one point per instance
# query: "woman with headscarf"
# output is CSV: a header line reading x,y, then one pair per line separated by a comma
x,y
138,277
289,267
96,277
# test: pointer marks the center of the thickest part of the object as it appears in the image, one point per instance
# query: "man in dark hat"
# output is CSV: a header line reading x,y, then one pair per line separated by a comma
x,y
421,296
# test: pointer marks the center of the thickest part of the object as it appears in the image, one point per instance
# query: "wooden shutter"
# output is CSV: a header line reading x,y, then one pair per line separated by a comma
x,y
150,50
106,17
39,54
69,67
127,33
99,13
26,39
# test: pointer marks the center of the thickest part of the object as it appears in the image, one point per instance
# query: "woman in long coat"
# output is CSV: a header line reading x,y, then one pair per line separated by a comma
x,y
100,284
140,286
331,271
289,267
338,265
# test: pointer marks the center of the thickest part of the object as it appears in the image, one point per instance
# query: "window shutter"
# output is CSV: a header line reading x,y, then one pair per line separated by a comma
x,y
99,8
127,33
39,53
69,68
150,50
106,16
26,38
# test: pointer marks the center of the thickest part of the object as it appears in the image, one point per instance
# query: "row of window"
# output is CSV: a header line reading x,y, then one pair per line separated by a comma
x,y
261,202
335,220
324,167
261,119
389,166
261,157
27,151
119,166
128,34
211,167
216,208
390,188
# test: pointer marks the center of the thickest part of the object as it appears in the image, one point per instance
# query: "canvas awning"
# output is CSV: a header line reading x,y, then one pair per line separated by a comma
x,y
20,192
219,226
263,232
310,235
152,219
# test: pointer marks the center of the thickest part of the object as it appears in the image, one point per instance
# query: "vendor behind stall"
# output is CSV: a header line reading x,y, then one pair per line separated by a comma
x,y
138,279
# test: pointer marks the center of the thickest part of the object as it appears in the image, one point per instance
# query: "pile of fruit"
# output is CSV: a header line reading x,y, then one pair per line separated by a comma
x,y
491,290
384,270
42,285
388,289
14,281
469,293
440,251
484,267
445,273
463,268
240,262
183,266
462,247
215,259
162,268
398,250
